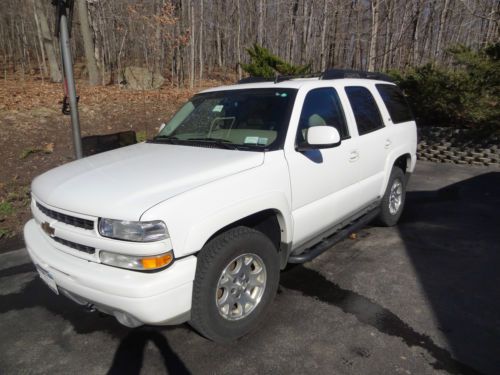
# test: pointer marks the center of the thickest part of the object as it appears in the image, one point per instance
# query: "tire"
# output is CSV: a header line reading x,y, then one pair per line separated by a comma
x,y
223,278
392,206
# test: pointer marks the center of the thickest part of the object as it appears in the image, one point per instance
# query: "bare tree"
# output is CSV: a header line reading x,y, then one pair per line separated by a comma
x,y
323,35
194,38
441,27
372,57
88,42
46,36
238,37
260,28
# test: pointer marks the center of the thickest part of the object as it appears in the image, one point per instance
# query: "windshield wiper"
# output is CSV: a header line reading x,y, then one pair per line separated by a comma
x,y
166,139
218,141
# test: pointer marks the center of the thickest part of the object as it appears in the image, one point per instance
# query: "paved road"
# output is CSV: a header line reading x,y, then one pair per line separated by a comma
x,y
423,297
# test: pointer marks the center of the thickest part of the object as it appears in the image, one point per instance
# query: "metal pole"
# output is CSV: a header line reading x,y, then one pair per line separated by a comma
x,y
70,81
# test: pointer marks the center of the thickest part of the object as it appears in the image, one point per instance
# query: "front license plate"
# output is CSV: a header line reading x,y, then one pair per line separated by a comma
x,y
47,278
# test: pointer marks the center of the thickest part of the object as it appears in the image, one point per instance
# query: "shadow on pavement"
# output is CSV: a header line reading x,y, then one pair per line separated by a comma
x,y
36,294
129,356
452,237
311,283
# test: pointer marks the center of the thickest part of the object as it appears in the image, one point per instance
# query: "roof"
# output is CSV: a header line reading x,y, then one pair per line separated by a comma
x,y
310,80
298,83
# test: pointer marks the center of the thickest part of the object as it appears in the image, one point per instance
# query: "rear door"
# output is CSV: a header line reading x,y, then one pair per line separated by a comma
x,y
401,126
373,143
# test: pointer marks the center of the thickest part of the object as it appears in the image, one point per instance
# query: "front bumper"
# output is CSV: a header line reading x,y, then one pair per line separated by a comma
x,y
162,297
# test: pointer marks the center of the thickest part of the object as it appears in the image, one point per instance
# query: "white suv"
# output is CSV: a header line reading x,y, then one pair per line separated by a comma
x,y
195,224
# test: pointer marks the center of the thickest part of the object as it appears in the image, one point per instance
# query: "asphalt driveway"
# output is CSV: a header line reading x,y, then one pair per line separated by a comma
x,y
422,297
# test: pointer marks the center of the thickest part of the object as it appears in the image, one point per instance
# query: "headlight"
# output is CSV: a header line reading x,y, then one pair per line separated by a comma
x,y
138,231
139,263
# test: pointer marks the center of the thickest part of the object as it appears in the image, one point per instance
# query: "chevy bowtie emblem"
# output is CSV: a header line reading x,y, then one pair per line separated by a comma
x,y
48,229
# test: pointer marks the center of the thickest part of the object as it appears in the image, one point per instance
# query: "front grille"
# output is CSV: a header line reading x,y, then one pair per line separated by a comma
x,y
76,246
67,219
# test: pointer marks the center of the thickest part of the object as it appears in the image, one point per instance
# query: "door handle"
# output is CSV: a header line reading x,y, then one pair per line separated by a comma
x,y
353,156
388,143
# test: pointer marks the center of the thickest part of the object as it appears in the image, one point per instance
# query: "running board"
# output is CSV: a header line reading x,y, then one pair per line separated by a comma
x,y
328,242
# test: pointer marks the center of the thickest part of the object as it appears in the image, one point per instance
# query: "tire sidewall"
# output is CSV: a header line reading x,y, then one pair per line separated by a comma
x,y
251,242
386,218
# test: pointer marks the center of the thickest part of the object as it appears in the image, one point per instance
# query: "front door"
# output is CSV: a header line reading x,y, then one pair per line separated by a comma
x,y
323,181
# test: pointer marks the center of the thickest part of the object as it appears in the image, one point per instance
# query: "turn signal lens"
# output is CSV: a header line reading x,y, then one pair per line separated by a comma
x,y
157,262
137,263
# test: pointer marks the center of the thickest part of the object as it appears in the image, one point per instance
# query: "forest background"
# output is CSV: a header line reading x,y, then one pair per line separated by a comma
x,y
443,53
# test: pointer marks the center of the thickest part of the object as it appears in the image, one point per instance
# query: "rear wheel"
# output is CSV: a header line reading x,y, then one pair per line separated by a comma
x,y
393,200
236,280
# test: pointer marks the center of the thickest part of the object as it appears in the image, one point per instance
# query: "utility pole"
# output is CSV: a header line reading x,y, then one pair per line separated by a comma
x,y
64,15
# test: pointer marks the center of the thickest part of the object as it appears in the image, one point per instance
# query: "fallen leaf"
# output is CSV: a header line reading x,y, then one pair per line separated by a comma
x,y
48,148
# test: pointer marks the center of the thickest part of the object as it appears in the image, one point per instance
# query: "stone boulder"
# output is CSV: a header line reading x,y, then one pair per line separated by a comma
x,y
137,78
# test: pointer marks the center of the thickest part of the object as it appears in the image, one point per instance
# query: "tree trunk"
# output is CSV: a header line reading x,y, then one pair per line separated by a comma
x,y
323,35
40,41
388,36
291,36
191,44
88,43
201,39
55,72
416,34
218,43
238,36
442,20
260,29
372,58
304,32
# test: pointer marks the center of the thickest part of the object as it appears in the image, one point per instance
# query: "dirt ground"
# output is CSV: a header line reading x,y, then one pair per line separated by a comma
x,y
35,136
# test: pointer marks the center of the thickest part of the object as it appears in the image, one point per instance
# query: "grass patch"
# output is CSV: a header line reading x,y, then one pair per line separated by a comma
x,y
6,208
5,233
47,149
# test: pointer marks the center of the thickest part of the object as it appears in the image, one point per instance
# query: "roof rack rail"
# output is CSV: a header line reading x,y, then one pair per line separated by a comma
x,y
281,78
278,78
253,79
349,73
327,74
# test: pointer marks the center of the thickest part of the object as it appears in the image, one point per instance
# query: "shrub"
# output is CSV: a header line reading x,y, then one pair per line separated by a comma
x,y
264,64
466,96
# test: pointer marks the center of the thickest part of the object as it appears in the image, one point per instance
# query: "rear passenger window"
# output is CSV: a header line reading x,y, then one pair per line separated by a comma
x,y
322,107
365,109
395,102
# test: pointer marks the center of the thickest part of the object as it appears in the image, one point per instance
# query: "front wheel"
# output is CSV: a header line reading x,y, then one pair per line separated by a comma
x,y
393,200
236,280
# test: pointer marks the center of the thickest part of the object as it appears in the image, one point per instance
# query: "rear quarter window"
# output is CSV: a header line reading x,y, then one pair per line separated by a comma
x,y
395,103
365,109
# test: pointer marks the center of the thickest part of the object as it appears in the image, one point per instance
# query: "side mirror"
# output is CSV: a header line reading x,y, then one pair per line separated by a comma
x,y
320,137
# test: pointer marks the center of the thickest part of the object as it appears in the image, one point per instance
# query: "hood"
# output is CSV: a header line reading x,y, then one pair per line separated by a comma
x,y
123,183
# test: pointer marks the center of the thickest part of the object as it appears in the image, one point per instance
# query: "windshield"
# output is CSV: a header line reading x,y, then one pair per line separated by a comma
x,y
239,119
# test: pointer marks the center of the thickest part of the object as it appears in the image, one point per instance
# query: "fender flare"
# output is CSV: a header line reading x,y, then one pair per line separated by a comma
x,y
391,159
202,230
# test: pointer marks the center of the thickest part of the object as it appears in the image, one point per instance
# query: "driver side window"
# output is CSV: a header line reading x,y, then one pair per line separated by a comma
x,y
322,107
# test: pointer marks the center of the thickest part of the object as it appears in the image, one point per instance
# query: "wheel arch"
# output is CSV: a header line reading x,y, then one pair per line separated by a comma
x,y
401,159
275,223
269,222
